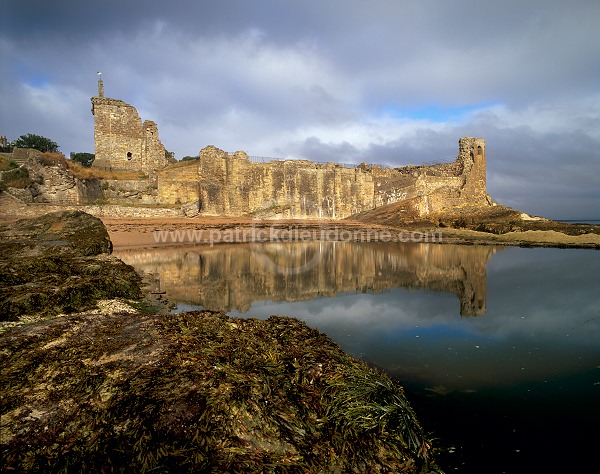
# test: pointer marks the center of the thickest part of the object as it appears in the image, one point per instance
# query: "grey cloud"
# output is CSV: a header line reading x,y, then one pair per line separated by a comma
x,y
315,80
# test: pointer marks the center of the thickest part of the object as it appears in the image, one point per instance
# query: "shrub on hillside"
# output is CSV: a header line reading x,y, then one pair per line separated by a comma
x,y
54,159
85,159
7,163
18,178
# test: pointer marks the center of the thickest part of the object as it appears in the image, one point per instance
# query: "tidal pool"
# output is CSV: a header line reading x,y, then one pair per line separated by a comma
x,y
498,348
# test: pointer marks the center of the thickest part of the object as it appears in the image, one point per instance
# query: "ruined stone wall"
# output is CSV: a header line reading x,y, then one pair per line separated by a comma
x,y
179,185
424,190
117,135
472,157
20,209
54,184
58,186
227,184
130,191
122,141
89,190
231,185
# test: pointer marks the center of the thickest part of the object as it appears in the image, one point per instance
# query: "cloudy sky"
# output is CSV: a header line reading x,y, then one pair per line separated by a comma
x,y
384,81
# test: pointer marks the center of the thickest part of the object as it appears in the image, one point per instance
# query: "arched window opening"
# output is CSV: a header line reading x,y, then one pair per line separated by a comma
x,y
129,155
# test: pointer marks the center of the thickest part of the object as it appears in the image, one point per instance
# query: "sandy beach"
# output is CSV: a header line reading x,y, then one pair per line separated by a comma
x,y
151,232
161,232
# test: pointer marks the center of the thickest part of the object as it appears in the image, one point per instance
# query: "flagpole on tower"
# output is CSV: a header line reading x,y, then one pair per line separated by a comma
x,y
100,85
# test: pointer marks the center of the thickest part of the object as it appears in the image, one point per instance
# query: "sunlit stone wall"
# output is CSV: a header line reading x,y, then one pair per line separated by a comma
x,y
122,142
229,184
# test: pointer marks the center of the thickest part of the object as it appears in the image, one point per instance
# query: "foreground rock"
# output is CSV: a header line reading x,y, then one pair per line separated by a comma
x,y
197,392
59,262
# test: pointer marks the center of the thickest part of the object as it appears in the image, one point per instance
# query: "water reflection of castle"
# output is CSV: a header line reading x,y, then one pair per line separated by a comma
x,y
227,277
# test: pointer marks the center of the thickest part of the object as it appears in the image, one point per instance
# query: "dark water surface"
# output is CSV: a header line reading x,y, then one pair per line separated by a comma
x,y
498,348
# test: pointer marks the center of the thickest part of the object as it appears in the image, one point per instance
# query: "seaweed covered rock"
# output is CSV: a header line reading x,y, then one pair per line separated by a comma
x,y
501,220
73,233
198,392
59,262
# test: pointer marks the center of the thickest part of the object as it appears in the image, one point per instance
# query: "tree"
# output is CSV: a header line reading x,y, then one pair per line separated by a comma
x,y
86,159
38,142
170,156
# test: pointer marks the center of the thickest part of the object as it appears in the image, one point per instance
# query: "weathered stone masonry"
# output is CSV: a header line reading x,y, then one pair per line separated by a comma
x,y
227,184
122,141
230,184
426,190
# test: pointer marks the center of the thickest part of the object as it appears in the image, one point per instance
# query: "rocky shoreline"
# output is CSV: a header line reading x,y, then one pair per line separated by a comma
x,y
97,379
109,387
133,226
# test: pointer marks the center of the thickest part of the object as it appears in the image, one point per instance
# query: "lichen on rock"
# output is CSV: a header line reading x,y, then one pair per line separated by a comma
x,y
59,262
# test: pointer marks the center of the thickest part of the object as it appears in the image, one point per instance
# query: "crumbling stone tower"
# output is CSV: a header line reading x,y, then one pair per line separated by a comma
x,y
122,142
471,155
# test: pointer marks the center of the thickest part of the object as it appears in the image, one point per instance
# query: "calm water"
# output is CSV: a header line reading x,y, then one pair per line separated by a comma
x,y
498,348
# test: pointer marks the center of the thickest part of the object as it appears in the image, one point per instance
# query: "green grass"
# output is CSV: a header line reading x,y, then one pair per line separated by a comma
x,y
17,178
7,164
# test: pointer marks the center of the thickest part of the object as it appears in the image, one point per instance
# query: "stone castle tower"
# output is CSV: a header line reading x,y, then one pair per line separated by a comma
x,y
471,154
122,142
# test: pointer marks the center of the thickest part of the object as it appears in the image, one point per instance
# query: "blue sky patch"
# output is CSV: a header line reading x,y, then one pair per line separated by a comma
x,y
436,113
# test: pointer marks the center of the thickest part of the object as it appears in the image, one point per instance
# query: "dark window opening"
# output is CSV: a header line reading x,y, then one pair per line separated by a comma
x,y
129,155
479,151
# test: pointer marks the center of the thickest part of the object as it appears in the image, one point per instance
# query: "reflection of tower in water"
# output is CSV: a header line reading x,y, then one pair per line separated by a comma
x,y
474,293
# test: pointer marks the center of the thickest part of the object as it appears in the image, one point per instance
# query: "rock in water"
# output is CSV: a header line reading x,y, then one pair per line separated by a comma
x,y
58,233
59,262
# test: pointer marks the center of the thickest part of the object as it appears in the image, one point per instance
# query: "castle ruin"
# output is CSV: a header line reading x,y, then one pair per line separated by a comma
x,y
227,184
231,184
122,141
